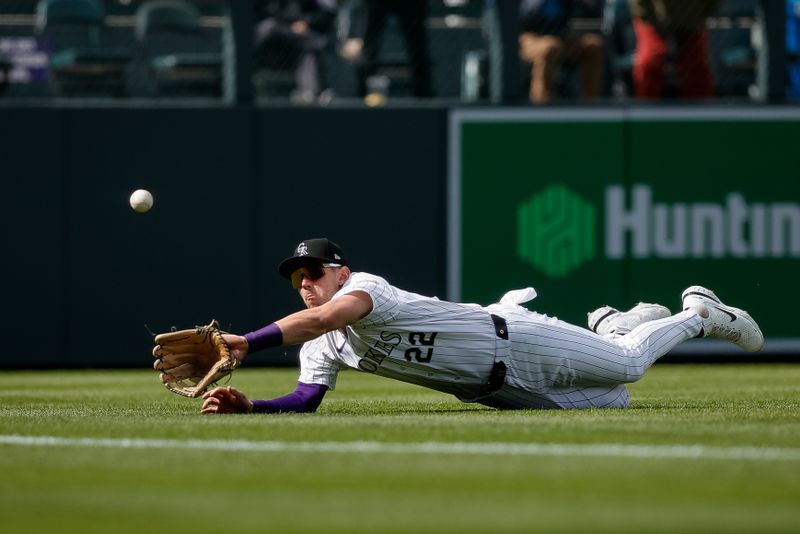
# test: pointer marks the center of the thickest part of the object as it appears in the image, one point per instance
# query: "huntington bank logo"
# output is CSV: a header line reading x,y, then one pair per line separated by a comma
x,y
557,229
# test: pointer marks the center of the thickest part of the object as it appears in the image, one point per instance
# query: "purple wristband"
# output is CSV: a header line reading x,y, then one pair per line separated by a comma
x,y
269,336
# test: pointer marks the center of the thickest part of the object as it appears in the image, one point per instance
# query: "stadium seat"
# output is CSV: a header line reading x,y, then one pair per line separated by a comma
x,y
733,58
80,64
176,56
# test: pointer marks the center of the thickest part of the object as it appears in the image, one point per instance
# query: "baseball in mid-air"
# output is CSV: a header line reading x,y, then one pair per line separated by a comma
x,y
141,200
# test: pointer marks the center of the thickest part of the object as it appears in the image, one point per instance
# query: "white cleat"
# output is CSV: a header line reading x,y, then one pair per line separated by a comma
x,y
721,321
608,320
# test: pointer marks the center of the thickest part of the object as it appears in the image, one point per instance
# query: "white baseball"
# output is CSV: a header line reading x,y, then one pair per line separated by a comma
x,y
141,200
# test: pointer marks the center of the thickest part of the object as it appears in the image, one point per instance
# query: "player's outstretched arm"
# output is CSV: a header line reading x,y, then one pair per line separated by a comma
x,y
304,399
303,326
311,323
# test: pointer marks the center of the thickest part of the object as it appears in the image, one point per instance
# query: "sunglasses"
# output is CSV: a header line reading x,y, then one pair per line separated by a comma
x,y
313,271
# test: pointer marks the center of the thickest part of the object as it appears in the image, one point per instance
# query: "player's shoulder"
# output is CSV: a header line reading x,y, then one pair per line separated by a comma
x,y
363,281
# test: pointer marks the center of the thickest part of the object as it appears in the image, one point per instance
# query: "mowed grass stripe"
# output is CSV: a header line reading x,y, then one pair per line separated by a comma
x,y
457,448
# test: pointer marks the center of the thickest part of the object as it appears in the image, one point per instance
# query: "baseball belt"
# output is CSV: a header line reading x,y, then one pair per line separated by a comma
x,y
497,376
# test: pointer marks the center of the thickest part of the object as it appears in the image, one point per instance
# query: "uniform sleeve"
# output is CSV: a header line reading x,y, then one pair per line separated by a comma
x,y
305,398
384,303
318,364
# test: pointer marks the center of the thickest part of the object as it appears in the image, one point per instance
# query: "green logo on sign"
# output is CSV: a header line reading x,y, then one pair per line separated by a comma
x,y
556,231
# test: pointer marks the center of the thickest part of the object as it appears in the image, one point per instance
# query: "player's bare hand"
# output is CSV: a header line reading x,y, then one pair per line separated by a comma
x,y
226,400
237,344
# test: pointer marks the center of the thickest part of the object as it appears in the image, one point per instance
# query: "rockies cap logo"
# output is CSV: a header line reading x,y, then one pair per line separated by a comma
x,y
302,250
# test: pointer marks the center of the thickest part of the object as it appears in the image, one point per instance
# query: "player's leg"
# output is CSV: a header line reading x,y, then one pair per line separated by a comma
x,y
515,398
549,353
611,322
719,320
551,357
652,339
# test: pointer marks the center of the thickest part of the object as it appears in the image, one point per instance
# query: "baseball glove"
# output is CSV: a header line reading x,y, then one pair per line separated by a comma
x,y
191,360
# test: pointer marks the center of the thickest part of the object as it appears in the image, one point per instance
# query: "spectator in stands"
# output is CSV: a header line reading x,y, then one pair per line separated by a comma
x,y
292,35
546,42
656,23
412,16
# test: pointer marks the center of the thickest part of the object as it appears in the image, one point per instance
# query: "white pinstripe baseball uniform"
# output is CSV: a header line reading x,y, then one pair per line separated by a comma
x,y
455,348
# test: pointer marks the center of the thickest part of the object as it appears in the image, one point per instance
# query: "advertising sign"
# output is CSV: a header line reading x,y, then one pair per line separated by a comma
x,y
595,207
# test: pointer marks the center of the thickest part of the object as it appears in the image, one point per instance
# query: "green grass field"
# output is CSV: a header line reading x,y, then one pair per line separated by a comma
x,y
703,448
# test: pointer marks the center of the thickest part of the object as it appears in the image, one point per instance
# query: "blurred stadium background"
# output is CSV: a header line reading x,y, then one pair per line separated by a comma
x,y
420,181
193,49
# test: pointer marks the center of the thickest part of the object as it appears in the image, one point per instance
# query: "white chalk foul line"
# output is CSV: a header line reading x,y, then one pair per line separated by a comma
x,y
462,448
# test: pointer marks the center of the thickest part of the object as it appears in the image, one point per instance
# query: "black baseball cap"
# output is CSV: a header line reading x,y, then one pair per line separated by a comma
x,y
318,250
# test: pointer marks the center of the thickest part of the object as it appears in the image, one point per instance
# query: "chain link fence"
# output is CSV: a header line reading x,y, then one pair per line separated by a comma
x,y
378,51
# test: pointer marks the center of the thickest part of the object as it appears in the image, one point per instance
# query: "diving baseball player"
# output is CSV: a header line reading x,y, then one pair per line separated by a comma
x,y
501,355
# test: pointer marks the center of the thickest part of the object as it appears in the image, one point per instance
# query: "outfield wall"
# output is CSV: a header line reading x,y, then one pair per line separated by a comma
x,y
236,188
